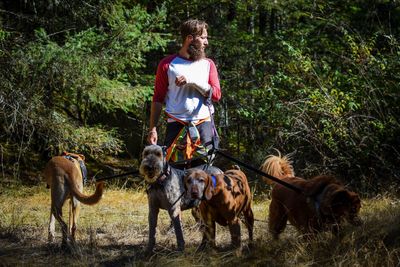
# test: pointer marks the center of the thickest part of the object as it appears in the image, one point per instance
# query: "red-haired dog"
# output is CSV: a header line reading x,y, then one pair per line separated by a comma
x,y
324,203
224,197
64,175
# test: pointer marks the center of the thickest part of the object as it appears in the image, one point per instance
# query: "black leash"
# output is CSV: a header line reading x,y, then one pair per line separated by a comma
x,y
215,144
178,198
293,187
116,175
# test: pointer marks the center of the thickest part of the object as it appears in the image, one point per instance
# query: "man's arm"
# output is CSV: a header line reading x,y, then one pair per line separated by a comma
x,y
155,113
213,81
160,90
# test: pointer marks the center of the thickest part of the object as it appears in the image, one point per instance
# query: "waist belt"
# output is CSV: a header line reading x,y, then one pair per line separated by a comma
x,y
192,139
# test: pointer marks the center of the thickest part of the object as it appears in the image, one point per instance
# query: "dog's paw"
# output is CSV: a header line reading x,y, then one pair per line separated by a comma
x,y
356,221
180,250
206,246
51,239
202,247
149,251
66,247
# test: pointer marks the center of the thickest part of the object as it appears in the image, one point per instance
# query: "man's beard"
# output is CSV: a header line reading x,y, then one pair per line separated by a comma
x,y
195,51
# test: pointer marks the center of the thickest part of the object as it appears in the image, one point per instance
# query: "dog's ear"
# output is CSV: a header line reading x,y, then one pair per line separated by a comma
x,y
354,217
185,180
353,208
82,157
355,202
341,201
209,190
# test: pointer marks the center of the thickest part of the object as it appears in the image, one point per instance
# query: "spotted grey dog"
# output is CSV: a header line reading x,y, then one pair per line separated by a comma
x,y
166,191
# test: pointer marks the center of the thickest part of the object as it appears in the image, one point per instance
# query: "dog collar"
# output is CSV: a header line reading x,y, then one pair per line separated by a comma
x,y
68,157
166,173
214,180
318,201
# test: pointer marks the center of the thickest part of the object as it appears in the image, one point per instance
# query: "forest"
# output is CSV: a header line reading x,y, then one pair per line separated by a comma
x,y
316,80
319,80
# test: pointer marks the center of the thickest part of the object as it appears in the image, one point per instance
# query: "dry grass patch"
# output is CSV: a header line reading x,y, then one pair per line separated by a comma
x,y
114,233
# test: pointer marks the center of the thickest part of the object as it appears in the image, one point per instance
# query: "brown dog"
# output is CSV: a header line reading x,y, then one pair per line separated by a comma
x,y
224,198
324,204
64,177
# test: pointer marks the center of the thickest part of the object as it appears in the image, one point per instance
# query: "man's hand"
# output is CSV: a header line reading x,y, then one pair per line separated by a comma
x,y
180,80
203,91
152,137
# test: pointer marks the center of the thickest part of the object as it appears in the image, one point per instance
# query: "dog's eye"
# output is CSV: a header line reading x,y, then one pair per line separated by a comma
x,y
189,180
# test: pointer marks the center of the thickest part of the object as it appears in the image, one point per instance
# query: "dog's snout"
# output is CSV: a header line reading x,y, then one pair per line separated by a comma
x,y
195,192
149,168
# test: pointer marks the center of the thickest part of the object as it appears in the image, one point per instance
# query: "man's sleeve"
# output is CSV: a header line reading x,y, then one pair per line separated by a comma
x,y
214,82
161,83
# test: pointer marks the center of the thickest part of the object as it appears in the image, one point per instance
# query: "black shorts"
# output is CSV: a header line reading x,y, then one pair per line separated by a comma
x,y
205,130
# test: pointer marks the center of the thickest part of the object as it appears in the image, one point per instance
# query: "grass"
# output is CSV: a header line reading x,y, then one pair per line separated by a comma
x,y
114,233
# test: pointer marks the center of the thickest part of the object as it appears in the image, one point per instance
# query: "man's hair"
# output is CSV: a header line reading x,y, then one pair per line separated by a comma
x,y
193,27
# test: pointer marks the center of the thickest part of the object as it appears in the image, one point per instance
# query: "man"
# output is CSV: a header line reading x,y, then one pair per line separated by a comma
x,y
183,83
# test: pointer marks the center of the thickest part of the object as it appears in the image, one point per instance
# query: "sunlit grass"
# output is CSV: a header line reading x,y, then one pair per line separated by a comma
x,y
114,232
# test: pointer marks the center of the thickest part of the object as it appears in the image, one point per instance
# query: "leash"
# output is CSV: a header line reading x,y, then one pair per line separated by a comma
x,y
178,198
116,175
216,149
293,187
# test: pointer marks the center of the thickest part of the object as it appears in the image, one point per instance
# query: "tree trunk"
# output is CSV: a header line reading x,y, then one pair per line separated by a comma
x,y
262,20
272,21
231,11
250,18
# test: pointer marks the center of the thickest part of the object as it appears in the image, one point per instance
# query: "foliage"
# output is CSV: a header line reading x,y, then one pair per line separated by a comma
x,y
52,85
320,85
319,79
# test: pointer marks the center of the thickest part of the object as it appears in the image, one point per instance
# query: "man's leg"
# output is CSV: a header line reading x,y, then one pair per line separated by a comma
x,y
172,131
207,137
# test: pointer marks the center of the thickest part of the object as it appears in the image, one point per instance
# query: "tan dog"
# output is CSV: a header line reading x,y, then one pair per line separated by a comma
x,y
64,177
324,204
224,198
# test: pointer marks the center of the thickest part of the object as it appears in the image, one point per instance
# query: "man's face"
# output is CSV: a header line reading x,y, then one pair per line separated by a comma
x,y
198,45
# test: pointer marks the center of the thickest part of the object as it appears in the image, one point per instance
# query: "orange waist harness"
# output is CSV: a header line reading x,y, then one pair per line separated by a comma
x,y
187,143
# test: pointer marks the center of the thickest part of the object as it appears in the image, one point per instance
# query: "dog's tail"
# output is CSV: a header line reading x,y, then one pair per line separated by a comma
x,y
277,166
91,199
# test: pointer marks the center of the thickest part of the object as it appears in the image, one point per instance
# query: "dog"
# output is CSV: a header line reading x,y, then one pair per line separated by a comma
x,y
277,166
166,191
224,197
64,177
323,205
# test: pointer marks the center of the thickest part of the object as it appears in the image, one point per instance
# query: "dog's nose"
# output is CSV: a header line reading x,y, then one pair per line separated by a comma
x,y
195,192
149,168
